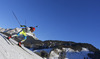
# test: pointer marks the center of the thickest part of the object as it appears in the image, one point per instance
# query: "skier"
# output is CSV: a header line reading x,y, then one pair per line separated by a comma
x,y
23,32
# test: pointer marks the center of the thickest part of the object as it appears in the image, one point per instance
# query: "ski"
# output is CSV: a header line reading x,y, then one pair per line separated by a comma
x,y
24,49
5,39
21,47
10,41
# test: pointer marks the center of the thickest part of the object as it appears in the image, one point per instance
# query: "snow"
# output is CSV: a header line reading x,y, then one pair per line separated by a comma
x,y
53,55
71,54
9,51
47,50
2,30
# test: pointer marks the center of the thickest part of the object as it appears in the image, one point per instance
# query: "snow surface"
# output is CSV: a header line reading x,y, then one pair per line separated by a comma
x,y
9,51
47,50
70,53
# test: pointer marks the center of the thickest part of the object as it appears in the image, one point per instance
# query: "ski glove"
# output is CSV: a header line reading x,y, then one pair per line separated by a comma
x,y
19,43
9,37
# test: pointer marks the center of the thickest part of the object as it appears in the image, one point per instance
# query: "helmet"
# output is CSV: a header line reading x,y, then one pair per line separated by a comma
x,y
32,28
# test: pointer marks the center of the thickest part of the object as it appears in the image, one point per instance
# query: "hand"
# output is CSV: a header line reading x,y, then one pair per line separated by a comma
x,y
22,25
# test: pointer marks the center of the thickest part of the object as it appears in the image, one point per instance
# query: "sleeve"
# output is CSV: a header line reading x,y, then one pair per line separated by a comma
x,y
20,32
17,34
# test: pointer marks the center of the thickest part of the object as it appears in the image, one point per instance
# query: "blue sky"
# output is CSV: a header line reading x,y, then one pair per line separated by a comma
x,y
66,20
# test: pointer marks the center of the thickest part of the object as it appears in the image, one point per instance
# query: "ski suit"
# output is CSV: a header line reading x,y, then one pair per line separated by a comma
x,y
23,32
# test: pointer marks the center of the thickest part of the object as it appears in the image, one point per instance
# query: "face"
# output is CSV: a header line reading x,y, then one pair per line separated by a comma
x,y
32,30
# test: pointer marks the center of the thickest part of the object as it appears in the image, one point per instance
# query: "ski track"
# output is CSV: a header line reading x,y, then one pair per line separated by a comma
x,y
9,51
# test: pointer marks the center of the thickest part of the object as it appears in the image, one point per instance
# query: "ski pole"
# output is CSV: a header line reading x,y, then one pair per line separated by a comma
x,y
16,18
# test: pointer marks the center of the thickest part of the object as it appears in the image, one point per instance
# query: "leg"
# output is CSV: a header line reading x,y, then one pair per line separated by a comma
x,y
14,35
19,43
25,37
